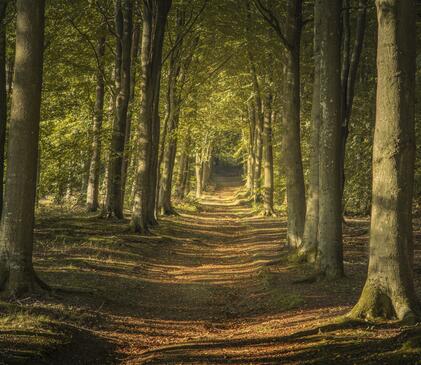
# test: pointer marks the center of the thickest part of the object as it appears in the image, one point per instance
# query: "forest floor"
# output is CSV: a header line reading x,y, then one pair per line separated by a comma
x,y
214,285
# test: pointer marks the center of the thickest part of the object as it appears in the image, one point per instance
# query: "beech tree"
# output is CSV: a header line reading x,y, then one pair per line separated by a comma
x,y
329,256
268,209
3,93
389,289
17,275
155,14
349,67
288,30
124,29
94,168
179,62
308,249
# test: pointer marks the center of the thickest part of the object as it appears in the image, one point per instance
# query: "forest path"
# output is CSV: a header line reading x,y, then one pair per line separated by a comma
x,y
212,285
219,289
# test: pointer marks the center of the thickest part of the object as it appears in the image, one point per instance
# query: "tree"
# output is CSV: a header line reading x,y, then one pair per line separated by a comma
x,y
251,153
3,94
128,134
289,33
308,249
268,155
17,275
94,168
389,290
329,255
123,26
184,170
350,63
155,14
255,115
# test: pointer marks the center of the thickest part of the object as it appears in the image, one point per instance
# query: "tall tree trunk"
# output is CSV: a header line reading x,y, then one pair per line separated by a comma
x,y
17,274
123,22
168,147
308,250
92,194
183,170
207,161
290,38
268,161
199,175
348,80
155,14
3,94
167,174
330,263
251,158
256,112
291,126
155,126
389,290
10,65
128,135
258,153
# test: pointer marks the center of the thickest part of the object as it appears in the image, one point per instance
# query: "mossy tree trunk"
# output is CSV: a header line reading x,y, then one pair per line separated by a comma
x,y
17,274
329,257
389,289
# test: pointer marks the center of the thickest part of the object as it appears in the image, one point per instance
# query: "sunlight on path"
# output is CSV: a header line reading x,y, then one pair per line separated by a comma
x,y
215,278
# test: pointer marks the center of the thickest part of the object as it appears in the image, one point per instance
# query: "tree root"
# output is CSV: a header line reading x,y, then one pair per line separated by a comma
x,y
375,304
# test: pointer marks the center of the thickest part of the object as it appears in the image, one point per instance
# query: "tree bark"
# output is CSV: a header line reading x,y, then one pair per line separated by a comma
x,y
308,250
3,94
92,194
291,141
169,135
165,205
17,274
128,134
183,170
268,157
257,114
155,14
348,80
330,262
389,289
123,25
289,32
251,158
199,175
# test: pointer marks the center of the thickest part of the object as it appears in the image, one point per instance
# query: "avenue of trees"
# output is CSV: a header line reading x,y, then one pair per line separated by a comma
x,y
124,108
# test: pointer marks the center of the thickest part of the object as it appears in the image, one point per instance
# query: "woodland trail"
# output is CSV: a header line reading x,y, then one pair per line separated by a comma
x,y
211,286
222,291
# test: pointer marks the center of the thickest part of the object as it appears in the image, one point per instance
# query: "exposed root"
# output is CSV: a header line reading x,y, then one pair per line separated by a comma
x,y
375,304
269,213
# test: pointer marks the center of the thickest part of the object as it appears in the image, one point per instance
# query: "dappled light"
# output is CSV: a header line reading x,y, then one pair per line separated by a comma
x,y
210,182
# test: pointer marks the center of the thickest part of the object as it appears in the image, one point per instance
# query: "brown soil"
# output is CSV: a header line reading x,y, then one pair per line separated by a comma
x,y
216,286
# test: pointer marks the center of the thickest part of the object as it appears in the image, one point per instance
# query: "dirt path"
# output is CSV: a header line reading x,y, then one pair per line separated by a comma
x,y
220,289
214,286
